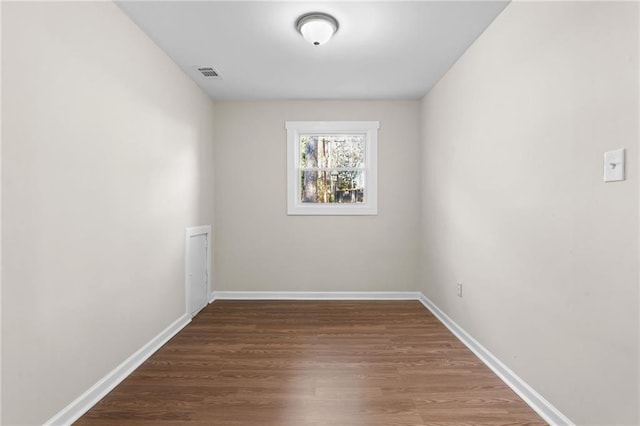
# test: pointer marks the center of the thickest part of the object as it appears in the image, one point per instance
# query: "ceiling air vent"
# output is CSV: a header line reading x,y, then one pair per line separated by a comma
x,y
208,72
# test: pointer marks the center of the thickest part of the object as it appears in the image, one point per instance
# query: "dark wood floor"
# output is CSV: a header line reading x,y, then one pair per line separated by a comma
x,y
307,363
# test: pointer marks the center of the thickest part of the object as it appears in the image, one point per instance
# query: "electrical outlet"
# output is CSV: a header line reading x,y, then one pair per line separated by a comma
x,y
459,289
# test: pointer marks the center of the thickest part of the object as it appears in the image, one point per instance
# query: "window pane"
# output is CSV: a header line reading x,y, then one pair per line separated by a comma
x,y
331,186
332,151
346,151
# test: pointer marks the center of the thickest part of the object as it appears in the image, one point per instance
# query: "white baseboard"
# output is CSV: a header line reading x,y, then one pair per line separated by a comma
x,y
88,399
533,399
316,295
212,297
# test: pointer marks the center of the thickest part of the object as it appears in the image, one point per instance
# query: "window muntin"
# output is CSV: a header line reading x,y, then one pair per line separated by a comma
x,y
332,168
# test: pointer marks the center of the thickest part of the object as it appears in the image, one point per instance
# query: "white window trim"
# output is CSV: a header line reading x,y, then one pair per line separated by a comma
x,y
297,128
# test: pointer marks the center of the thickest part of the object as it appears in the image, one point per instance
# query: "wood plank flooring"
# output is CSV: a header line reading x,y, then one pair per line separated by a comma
x,y
312,363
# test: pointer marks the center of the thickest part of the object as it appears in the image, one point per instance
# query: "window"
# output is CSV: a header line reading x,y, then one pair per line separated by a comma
x,y
332,167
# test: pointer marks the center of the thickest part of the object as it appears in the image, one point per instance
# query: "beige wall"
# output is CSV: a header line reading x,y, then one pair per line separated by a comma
x,y
258,247
104,143
0,214
514,204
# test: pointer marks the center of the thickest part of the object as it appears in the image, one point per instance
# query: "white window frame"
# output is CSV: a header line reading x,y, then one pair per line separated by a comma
x,y
296,129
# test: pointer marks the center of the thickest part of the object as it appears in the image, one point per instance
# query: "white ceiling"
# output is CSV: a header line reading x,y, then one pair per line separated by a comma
x,y
383,50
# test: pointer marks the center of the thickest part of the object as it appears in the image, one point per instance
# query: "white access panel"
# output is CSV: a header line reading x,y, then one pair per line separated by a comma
x,y
197,268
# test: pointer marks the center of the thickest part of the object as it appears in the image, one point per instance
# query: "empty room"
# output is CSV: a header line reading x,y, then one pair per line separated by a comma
x,y
291,213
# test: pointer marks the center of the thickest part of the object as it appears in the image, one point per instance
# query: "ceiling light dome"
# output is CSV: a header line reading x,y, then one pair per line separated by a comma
x,y
317,27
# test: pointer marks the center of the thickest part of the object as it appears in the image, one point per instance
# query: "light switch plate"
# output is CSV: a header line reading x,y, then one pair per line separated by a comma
x,y
614,165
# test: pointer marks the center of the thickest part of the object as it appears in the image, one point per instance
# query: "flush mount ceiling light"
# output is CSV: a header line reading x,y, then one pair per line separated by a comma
x,y
317,27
